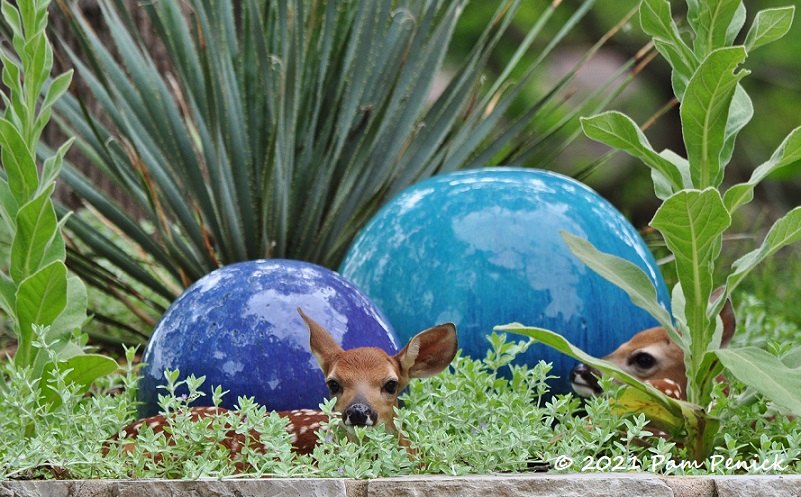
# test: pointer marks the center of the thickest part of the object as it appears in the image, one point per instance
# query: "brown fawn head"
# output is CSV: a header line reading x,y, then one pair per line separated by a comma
x,y
367,381
652,357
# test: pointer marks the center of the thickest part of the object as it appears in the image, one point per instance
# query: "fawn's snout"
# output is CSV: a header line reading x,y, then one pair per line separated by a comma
x,y
584,380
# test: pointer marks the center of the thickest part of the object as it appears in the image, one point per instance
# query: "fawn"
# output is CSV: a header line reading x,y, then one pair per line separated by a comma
x,y
652,357
366,382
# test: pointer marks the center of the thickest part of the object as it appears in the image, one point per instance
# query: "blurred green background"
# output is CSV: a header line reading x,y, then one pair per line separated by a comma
x,y
774,85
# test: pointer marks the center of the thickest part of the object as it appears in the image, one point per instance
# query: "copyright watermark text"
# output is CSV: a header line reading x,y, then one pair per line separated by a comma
x,y
666,464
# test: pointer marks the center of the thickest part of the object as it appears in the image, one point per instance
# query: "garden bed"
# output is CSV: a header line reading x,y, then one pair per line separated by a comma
x,y
498,485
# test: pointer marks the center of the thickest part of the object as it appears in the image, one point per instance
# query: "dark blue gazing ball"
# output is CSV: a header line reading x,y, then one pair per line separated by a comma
x,y
482,248
239,326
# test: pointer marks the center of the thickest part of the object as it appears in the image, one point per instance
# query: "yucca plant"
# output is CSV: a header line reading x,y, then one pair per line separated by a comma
x,y
282,127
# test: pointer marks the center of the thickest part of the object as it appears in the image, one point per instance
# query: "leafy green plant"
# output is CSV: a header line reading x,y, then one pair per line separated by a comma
x,y
46,303
282,127
484,404
695,214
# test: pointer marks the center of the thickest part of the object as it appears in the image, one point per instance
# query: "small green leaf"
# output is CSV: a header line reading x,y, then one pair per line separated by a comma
x,y
740,113
52,165
8,205
18,163
767,374
657,21
8,296
81,371
737,23
785,231
11,16
788,152
619,131
705,113
769,25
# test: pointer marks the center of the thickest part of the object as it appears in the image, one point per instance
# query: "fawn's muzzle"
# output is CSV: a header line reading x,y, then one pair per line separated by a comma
x,y
584,380
360,414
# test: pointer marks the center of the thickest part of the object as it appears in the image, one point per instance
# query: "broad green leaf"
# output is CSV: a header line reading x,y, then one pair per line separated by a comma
x,y
712,22
785,231
634,400
619,131
626,275
767,374
81,372
692,223
769,25
40,299
38,241
558,342
18,163
788,152
705,113
73,317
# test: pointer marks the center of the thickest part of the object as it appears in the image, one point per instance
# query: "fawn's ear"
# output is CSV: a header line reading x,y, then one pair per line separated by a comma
x,y
429,352
726,316
322,344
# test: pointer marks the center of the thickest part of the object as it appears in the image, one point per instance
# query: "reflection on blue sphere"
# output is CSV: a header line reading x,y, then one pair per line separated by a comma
x,y
239,326
482,248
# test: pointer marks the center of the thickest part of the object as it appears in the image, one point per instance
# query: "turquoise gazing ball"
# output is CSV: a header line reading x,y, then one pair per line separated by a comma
x,y
482,248
239,326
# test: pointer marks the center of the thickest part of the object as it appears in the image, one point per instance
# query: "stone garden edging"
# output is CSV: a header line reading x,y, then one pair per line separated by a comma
x,y
518,485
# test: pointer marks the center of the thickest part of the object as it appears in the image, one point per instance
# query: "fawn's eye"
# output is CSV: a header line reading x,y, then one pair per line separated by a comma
x,y
644,360
391,386
333,386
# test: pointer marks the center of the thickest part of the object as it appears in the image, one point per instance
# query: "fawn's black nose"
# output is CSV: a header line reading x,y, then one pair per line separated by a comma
x,y
360,414
584,380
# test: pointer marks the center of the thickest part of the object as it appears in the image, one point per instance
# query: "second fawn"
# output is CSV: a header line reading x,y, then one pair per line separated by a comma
x,y
652,357
366,382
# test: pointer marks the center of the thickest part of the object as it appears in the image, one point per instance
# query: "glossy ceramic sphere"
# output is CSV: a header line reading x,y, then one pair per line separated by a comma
x,y
239,326
482,248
